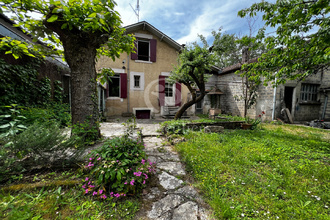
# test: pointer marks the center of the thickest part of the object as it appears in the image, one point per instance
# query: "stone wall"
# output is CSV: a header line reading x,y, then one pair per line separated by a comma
x,y
231,85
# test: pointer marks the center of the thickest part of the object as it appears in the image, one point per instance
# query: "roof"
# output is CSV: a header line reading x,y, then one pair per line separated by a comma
x,y
143,25
236,66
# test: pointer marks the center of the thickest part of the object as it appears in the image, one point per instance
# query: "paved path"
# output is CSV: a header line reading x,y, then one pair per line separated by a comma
x,y
171,198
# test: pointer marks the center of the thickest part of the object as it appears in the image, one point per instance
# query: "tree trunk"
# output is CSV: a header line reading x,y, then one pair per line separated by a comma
x,y
183,108
81,59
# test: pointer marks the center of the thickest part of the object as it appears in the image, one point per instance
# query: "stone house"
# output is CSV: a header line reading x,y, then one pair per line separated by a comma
x,y
306,100
139,85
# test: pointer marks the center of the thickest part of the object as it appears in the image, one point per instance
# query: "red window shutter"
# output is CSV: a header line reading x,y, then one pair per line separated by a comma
x,y
134,54
123,85
177,94
153,46
161,88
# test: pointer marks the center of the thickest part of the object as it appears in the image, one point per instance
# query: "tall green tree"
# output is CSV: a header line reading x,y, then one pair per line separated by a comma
x,y
301,44
84,29
194,62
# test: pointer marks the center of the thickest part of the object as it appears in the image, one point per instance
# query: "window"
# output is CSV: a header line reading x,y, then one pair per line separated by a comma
x,y
137,81
168,89
309,92
143,50
114,86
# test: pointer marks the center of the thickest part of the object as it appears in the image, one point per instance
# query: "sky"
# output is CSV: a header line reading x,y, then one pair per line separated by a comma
x,y
183,20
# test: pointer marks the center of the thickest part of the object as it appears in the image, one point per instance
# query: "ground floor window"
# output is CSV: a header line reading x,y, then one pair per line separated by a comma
x,y
309,92
114,86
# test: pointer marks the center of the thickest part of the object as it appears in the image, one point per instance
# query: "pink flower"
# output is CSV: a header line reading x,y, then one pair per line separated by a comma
x,y
132,182
89,183
146,176
86,179
99,158
144,182
117,161
90,158
94,193
86,191
117,195
91,186
143,161
100,191
103,196
125,183
137,173
84,186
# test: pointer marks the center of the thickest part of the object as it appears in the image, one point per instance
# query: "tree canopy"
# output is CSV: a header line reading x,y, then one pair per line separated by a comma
x,y
300,46
83,29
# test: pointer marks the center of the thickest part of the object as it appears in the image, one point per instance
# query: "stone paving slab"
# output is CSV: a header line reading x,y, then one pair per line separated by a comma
x,y
168,181
186,211
164,205
174,168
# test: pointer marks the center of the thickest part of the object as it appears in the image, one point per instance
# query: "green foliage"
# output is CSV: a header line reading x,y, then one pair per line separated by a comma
x,y
88,133
11,124
228,48
194,61
53,112
174,127
280,172
94,17
58,91
20,84
41,144
300,46
119,167
61,200
16,48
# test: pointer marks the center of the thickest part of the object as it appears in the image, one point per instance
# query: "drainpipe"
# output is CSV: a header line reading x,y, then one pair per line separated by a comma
x,y
128,83
325,105
274,101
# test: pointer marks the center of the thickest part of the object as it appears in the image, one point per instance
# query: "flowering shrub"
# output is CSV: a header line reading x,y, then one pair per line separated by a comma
x,y
117,169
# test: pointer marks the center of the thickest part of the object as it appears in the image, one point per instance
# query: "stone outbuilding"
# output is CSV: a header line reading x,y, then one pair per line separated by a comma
x,y
305,100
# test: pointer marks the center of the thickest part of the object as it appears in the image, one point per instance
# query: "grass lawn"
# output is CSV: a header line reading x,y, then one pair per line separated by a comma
x,y
277,172
60,196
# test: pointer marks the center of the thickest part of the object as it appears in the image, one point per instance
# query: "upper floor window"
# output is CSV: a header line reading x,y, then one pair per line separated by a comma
x,y
309,92
145,50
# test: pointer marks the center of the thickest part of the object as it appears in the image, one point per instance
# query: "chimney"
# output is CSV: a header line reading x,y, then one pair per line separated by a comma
x,y
245,55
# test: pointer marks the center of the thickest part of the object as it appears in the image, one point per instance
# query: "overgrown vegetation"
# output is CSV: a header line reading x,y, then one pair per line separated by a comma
x,y
61,197
277,172
106,187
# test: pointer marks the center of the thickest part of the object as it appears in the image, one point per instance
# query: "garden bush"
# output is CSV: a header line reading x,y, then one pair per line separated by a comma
x,y
118,168
41,144
59,112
